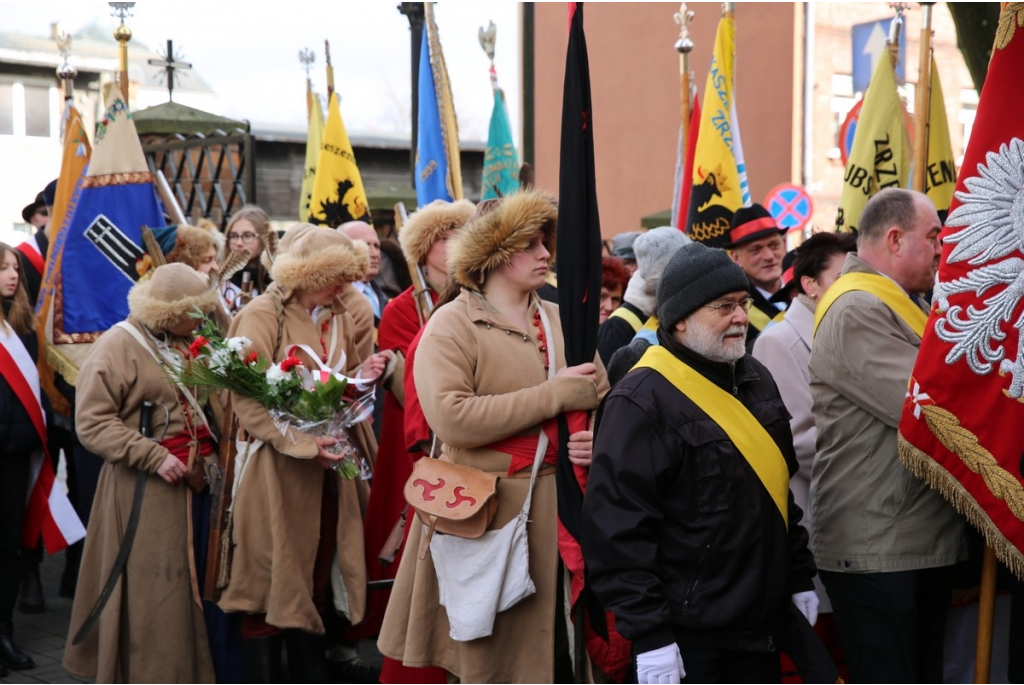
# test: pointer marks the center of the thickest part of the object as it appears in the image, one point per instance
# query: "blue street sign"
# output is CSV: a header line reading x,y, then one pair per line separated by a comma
x,y
789,205
868,45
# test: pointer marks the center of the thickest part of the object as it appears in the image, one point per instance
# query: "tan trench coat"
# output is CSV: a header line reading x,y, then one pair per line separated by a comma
x,y
479,381
153,601
277,505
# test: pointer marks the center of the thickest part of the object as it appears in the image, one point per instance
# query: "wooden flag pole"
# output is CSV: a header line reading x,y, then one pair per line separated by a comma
x,y
330,71
923,100
684,46
307,57
986,617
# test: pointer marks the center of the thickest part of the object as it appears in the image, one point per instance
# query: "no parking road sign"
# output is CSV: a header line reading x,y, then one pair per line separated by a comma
x,y
790,205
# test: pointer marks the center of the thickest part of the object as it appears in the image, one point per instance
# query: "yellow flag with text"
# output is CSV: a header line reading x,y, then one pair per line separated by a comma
x,y
338,193
880,156
940,167
719,172
316,132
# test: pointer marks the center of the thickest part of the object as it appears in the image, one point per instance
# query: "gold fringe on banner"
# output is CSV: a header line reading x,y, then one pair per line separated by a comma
x,y
946,427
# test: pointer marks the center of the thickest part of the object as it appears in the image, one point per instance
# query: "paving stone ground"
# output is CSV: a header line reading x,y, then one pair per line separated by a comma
x,y
42,636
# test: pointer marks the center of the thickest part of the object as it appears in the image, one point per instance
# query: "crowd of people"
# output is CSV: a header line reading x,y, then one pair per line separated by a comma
x,y
735,432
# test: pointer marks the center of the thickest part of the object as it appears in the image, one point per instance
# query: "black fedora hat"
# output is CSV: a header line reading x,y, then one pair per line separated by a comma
x,y
752,223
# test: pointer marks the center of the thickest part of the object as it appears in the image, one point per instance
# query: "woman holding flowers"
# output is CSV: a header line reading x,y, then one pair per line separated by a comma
x,y
293,515
152,627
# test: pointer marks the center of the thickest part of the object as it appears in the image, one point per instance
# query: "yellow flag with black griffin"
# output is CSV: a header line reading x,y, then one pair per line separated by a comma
x,y
313,140
338,193
940,169
880,156
719,171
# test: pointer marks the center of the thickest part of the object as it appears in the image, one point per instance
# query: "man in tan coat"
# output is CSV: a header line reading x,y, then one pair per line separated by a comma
x,y
883,541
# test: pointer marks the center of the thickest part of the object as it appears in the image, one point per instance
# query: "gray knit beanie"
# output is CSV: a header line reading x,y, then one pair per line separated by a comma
x,y
655,247
696,274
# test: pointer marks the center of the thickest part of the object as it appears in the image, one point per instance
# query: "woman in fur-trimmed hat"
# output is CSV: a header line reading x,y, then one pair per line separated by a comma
x,y
292,513
424,239
248,231
490,373
154,605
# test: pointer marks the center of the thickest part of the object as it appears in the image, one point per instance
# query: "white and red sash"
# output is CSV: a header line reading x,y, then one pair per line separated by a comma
x,y
30,250
48,511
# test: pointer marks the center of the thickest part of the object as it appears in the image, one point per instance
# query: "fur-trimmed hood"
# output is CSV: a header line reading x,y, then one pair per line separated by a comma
x,y
170,295
191,243
319,258
494,236
423,228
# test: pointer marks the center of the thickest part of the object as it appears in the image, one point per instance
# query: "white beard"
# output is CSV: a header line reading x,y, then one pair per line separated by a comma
x,y
710,345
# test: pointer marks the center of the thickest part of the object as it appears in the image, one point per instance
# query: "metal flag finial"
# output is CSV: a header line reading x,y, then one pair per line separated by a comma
x,y
683,18
487,39
307,57
122,34
895,29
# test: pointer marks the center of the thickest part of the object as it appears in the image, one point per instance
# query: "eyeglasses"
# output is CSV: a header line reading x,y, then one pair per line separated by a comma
x,y
244,237
726,308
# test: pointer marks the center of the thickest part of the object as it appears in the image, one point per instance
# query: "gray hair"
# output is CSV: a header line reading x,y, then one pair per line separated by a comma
x,y
890,207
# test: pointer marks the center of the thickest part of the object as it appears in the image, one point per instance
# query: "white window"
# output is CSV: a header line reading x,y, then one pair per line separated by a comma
x,y
29,108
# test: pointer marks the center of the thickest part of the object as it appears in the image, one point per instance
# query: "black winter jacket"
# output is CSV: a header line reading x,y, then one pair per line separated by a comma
x,y
681,540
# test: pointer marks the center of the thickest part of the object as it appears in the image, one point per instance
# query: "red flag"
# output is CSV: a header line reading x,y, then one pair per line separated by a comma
x,y
965,401
684,168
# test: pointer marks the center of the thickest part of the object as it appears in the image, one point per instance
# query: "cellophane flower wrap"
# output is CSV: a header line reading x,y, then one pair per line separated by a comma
x,y
315,402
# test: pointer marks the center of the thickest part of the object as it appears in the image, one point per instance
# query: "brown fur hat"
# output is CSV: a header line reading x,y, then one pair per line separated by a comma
x,y
191,243
493,237
293,232
424,227
170,296
319,258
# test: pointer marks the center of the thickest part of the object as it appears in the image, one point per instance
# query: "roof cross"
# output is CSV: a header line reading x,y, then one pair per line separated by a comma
x,y
170,63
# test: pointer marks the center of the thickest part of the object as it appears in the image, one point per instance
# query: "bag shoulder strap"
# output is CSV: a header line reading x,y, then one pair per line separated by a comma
x,y
147,345
542,439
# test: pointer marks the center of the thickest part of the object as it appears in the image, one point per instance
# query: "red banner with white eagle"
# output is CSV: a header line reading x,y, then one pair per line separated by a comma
x,y
960,429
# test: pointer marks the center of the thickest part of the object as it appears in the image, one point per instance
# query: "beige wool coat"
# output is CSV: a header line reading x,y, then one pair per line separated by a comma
x,y
277,505
151,629
479,381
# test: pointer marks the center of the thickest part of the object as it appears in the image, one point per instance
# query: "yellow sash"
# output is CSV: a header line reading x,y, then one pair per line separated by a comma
x,y
627,316
885,289
760,320
652,323
749,436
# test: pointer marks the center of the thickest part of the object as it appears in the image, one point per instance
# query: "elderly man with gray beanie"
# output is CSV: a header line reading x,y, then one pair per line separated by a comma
x,y
653,249
690,535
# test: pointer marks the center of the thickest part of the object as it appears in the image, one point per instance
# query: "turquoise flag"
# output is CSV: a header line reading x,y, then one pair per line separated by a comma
x,y
501,164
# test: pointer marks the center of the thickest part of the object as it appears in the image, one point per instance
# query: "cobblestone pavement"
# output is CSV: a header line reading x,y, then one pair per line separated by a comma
x,y
42,636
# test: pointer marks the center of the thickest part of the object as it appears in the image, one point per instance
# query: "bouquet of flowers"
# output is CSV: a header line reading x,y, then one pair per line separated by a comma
x,y
317,402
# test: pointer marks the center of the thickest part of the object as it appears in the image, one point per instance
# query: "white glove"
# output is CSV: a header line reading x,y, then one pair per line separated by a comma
x,y
807,604
662,665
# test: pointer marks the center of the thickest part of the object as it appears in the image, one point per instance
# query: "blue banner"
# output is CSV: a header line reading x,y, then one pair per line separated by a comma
x,y
104,255
431,157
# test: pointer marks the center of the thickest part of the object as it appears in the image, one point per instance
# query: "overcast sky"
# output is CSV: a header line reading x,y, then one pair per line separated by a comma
x,y
248,54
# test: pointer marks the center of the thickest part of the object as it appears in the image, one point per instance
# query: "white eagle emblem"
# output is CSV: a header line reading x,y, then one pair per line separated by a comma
x,y
992,239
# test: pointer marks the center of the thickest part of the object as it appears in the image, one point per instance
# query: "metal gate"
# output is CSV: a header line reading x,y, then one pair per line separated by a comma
x,y
209,176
